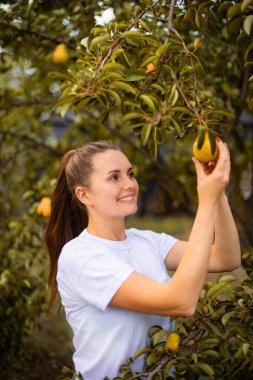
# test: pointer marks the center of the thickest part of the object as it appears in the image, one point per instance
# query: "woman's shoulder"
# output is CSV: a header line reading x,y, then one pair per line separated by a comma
x,y
78,248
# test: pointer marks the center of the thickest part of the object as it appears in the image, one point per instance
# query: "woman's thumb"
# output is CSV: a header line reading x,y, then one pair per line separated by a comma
x,y
197,164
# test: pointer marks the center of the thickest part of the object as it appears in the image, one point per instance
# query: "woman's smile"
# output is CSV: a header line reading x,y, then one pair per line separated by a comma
x,y
127,199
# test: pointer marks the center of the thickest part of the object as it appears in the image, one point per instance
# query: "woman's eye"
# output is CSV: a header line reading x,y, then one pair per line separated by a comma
x,y
131,174
115,177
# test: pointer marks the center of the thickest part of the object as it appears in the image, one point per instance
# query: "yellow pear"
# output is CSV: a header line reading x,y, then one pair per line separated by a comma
x,y
60,54
204,154
44,207
172,342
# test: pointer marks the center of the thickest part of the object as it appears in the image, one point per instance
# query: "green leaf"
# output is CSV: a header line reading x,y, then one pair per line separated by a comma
x,y
147,99
226,278
116,98
159,87
64,109
84,102
245,348
125,86
141,351
95,41
210,341
198,19
59,75
194,357
176,125
114,66
234,10
98,30
153,149
245,4
223,111
136,74
116,52
158,336
206,368
151,38
218,289
173,97
248,24
212,141
181,109
153,330
161,49
150,59
131,34
144,25
151,358
167,368
201,137
145,133
104,116
214,328
132,115
249,48
226,317
211,353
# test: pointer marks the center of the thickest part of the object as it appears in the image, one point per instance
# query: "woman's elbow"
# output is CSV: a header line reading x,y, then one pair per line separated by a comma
x,y
182,311
232,265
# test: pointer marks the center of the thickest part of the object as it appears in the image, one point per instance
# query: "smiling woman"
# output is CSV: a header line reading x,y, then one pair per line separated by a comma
x,y
114,282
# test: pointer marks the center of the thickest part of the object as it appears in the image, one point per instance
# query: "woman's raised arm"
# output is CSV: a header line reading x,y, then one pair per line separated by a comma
x,y
180,295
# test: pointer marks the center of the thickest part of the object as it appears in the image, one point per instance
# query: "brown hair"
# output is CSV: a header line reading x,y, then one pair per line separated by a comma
x,y
69,216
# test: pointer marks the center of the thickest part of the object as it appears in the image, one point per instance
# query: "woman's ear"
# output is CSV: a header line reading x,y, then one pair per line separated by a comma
x,y
82,194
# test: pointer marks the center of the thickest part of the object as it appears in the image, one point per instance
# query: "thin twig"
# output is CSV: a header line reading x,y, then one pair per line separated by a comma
x,y
157,369
170,23
184,97
188,53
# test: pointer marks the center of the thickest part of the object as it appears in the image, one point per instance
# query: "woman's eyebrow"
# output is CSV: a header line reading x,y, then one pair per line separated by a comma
x,y
118,170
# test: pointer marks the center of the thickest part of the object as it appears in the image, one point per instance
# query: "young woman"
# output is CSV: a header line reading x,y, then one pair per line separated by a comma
x,y
113,282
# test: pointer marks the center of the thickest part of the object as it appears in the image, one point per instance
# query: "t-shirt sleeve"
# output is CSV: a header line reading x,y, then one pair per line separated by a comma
x,y
164,243
98,275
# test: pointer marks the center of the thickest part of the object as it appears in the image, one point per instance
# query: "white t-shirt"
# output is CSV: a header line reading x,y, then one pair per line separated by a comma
x,y
90,271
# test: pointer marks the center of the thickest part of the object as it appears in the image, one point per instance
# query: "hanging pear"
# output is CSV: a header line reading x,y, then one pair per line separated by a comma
x,y
60,54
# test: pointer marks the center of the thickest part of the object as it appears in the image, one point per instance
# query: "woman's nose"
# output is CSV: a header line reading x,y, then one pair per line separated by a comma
x,y
128,183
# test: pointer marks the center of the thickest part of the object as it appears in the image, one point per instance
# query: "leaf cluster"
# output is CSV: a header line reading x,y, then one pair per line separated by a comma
x,y
216,343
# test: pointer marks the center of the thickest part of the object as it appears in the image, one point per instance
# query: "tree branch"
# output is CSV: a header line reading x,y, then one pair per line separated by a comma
x,y
28,102
40,35
170,23
35,143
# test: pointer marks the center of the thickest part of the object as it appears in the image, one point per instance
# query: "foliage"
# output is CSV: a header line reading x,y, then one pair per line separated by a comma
x,y
160,74
22,286
216,343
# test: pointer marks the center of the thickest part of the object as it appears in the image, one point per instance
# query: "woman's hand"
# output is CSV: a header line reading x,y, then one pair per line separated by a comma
x,y
212,181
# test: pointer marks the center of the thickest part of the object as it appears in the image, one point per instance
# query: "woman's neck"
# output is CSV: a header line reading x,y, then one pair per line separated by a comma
x,y
110,231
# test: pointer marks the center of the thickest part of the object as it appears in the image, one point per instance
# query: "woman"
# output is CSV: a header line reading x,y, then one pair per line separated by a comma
x,y
113,282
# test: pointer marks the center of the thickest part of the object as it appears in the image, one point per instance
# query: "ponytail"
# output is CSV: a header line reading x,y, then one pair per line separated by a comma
x,y
67,220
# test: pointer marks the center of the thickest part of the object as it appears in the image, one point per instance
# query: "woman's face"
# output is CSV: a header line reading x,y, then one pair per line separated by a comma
x,y
113,189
